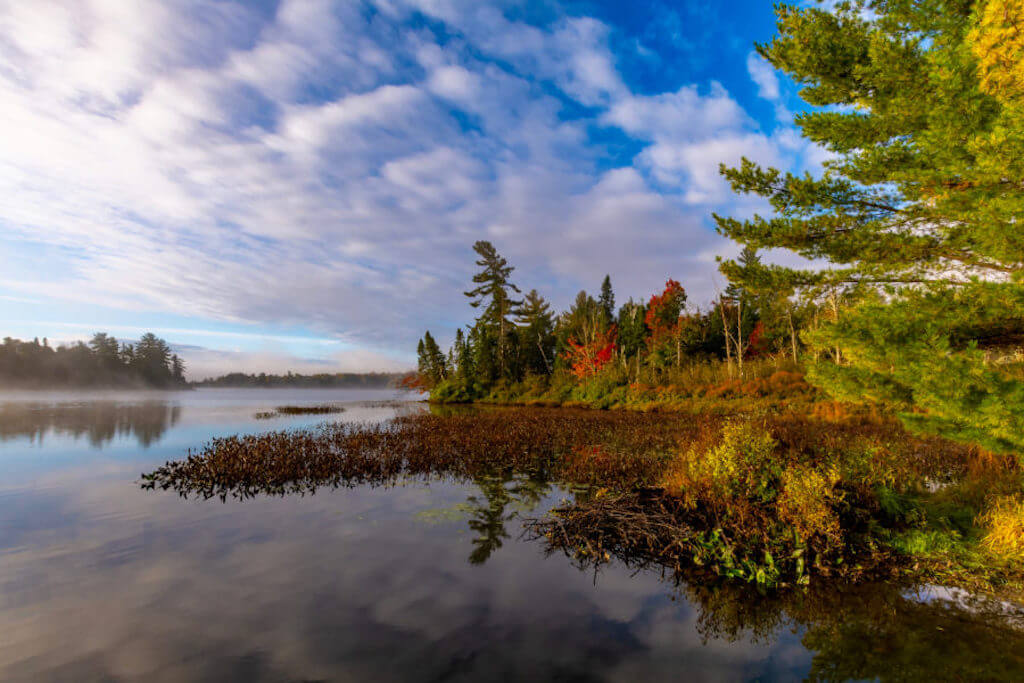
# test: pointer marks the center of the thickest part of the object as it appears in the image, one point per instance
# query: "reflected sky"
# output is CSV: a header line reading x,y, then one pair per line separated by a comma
x,y
427,580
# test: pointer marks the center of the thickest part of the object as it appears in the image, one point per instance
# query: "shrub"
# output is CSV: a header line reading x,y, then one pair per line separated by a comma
x,y
1004,528
741,466
807,500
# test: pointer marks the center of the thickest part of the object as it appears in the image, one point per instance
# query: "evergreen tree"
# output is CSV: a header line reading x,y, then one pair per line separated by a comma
x,y
422,363
434,359
463,359
607,299
152,359
485,355
177,369
493,293
537,334
922,202
632,329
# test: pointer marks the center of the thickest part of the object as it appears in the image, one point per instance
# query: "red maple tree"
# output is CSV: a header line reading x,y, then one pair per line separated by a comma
x,y
663,311
587,359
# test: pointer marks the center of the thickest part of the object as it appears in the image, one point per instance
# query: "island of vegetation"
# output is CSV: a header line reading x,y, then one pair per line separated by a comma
x,y
861,418
103,362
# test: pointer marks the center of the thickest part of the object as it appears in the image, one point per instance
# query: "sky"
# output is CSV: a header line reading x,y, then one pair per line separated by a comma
x,y
297,184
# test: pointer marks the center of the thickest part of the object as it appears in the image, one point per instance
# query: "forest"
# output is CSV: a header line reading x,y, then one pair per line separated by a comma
x,y
102,362
325,380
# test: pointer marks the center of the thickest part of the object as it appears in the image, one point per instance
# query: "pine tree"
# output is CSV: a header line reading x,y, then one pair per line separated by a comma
x,y
422,363
632,329
463,367
494,294
434,359
921,203
607,299
177,369
537,334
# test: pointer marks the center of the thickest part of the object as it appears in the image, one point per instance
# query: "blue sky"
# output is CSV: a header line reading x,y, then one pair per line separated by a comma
x,y
297,184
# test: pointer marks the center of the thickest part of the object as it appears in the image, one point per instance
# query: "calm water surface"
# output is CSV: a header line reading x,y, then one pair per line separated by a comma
x,y
100,580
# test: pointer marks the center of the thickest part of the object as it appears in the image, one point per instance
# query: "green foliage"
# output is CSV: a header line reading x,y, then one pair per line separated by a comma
x,y
103,362
922,197
536,334
494,294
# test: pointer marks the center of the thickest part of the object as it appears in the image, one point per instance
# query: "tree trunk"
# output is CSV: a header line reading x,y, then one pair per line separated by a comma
x,y
725,330
739,335
792,333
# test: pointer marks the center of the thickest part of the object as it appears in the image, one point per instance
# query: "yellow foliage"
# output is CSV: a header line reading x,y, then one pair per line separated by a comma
x,y
739,466
1004,528
998,42
806,500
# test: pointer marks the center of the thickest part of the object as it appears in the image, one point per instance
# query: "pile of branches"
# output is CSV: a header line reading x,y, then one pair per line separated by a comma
x,y
642,529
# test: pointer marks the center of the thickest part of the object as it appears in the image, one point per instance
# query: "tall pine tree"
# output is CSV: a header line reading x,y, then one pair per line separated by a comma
x,y
921,203
494,294
537,334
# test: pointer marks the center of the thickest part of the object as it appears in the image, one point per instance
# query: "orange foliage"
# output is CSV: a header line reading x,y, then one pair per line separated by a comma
x,y
586,360
663,311
413,382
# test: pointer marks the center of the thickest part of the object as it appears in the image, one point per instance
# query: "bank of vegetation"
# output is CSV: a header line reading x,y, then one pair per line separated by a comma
x,y
103,362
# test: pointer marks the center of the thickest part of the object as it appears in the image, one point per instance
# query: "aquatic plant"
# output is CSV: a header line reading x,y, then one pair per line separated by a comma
x,y
321,409
773,500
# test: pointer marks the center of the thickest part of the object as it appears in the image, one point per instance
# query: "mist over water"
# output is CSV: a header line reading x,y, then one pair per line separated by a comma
x,y
426,580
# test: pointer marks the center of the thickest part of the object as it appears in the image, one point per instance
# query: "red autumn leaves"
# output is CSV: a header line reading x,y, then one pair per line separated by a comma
x,y
662,320
588,359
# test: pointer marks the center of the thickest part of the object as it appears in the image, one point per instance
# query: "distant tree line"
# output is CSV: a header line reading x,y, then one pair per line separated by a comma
x,y
102,362
338,380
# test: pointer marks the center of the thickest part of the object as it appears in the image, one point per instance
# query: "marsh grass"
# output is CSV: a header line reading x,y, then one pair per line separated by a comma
x,y
320,409
772,499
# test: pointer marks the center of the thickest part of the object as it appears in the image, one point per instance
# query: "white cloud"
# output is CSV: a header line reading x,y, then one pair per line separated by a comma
x,y
763,75
326,167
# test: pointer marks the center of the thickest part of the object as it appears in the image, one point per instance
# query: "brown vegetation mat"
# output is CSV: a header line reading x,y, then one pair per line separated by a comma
x,y
626,464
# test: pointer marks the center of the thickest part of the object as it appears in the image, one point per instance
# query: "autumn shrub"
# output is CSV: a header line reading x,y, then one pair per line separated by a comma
x,y
1003,523
741,466
808,499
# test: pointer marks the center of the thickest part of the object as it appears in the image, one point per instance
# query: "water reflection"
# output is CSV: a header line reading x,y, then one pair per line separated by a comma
x,y
100,422
490,511
102,581
874,632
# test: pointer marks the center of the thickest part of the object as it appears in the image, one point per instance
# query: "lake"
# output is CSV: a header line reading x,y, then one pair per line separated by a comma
x,y
424,581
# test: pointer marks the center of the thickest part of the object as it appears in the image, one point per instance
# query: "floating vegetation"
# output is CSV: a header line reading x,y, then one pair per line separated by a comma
x,y
320,409
462,446
770,501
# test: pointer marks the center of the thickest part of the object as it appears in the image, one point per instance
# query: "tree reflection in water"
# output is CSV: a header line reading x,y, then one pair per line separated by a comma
x,y
886,631
489,512
98,421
